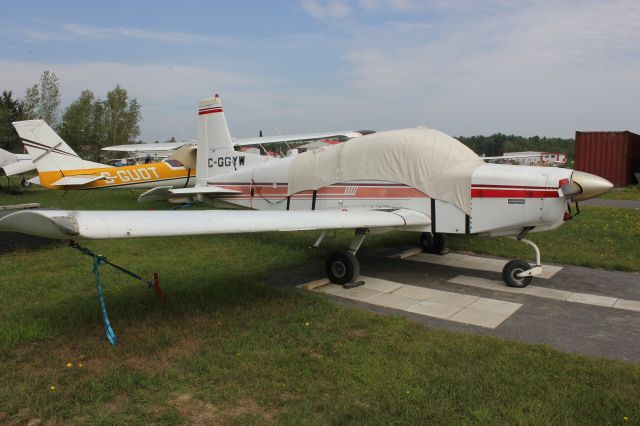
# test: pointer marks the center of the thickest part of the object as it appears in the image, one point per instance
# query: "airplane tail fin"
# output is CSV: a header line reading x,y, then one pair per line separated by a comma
x,y
47,150
214,139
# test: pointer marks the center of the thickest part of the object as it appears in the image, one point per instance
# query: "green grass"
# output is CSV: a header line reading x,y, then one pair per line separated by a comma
x,y
626,193
599,237
227,349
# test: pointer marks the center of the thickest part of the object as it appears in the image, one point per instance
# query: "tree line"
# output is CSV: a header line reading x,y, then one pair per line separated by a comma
x,y
87,124
499,143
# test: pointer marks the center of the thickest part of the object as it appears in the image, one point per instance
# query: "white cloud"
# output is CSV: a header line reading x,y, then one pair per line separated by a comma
x,y
93,32
74,31
546,67
332,9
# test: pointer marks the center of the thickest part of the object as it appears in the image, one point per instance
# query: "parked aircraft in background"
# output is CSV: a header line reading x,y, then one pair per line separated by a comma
x,y
59,167
15,164
416,179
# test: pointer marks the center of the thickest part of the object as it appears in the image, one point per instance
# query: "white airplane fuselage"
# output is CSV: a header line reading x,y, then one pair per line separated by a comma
x,y
504,198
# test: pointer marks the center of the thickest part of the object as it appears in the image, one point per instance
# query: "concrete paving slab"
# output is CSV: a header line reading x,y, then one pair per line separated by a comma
x,y
357,293
548,293
479,263
479,317
414,292
453,299
485,283
592,299
496,306
391,301
629,305
407,253
377,284
433,309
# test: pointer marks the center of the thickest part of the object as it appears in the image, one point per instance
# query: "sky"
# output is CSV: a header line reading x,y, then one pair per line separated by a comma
x,y
465,67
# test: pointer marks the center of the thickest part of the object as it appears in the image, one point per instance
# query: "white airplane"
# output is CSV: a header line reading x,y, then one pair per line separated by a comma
x,y
15,164
418,180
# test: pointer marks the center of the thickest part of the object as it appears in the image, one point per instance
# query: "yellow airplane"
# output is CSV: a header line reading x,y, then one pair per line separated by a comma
x,y
59,167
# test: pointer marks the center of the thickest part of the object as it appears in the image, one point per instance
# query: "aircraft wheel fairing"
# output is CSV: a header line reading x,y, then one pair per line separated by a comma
x,y
512,269
342,267
434,243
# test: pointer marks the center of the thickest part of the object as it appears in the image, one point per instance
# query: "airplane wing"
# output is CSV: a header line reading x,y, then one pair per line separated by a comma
x,y
76,180
167,192
171,146
147,147
93,225
17,168
302,137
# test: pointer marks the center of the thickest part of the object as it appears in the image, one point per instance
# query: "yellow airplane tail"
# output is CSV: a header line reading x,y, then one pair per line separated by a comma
x,y
51,155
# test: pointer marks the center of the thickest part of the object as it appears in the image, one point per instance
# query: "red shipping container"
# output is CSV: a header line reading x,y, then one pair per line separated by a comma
x,y
614,156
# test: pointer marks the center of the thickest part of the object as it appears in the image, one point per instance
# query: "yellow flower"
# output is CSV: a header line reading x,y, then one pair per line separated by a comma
x,y
52,388
69,365
306,323
626,419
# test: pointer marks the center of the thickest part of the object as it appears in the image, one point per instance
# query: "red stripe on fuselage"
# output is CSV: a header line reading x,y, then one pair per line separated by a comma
x,y
476,185
512,193
332,191
209,111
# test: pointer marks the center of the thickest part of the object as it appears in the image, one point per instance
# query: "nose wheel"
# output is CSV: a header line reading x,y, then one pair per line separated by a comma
x,y
519,273
511,273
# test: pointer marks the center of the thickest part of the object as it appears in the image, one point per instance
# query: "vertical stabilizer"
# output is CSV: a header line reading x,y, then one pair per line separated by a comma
x,y
47,150
214,140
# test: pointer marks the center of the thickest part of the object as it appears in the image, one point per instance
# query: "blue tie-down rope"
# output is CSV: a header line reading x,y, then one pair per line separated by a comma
x,y
99,260
111,335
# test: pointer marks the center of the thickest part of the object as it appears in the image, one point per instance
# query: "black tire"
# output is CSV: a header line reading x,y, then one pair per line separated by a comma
x,y
512,269
342,267
25,183
433,243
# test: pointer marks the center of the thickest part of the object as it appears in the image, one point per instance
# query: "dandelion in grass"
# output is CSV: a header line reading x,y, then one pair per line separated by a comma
x,y
69,365
52,388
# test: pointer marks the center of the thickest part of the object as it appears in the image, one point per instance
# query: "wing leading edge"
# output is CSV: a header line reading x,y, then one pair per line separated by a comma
x,y
93,225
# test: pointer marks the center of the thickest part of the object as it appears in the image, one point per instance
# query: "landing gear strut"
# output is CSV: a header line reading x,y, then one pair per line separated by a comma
x,y
342,266
519,273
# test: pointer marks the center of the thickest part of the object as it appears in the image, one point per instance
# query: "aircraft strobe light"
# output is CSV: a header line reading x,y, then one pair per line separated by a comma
x,y
584,186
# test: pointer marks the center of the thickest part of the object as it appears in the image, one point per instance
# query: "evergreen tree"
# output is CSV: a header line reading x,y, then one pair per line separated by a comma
x,y
10,110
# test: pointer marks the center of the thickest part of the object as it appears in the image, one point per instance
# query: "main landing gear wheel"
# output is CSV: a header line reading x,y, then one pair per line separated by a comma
x,y
433,243
25,183
512,269
342,267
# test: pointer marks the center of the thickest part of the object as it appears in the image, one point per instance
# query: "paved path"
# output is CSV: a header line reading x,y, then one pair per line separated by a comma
x,y
621,204
565,323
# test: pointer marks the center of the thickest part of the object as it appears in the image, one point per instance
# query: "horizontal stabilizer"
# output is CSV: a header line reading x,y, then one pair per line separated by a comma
x,y
204,190
77,180
94,225
159,193
17,168
162,193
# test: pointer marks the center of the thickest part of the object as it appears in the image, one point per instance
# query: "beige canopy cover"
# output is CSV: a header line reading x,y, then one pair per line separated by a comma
x,y
426,159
